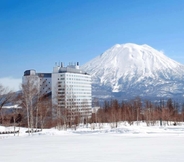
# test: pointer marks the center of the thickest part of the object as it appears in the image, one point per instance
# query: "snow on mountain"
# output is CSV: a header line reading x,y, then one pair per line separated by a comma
x,y
135,70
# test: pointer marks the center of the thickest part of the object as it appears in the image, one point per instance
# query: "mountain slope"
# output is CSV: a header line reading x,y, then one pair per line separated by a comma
x,y
131,70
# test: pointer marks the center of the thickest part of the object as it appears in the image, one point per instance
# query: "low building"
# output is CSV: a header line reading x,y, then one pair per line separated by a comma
x,y
9,112
41,80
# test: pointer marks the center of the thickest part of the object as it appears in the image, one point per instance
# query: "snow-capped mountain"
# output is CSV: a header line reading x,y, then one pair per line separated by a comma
x,y
130,70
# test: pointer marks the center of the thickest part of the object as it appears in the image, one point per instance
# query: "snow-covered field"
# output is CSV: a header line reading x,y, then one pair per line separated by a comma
x,y
125,143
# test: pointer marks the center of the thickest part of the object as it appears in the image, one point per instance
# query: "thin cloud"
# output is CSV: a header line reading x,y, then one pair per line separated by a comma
x,y
11,83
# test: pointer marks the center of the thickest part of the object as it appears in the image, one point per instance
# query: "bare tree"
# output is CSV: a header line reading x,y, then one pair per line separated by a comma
x,y
137,107
6,96
29,98
43,111
59,111
16,111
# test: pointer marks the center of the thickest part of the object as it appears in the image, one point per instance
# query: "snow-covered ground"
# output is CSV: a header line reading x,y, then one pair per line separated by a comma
x,y
125,143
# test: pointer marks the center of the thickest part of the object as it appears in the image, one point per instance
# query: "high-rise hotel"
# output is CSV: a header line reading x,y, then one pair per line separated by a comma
x,y
70,88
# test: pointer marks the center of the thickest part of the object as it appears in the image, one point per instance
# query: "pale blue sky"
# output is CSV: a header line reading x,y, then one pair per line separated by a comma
x,y
34,34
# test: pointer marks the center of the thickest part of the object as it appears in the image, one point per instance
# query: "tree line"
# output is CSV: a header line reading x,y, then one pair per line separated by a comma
x,y
136,111
38,112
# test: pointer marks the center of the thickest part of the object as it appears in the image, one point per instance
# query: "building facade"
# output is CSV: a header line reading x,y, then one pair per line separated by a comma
x,y
69,87
71,90
42,81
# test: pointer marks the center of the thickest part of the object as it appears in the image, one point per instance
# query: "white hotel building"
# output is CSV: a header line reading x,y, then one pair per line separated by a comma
x,y
70,88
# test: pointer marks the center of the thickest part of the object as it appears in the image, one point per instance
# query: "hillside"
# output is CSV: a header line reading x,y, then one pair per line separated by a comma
x,y
129,70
